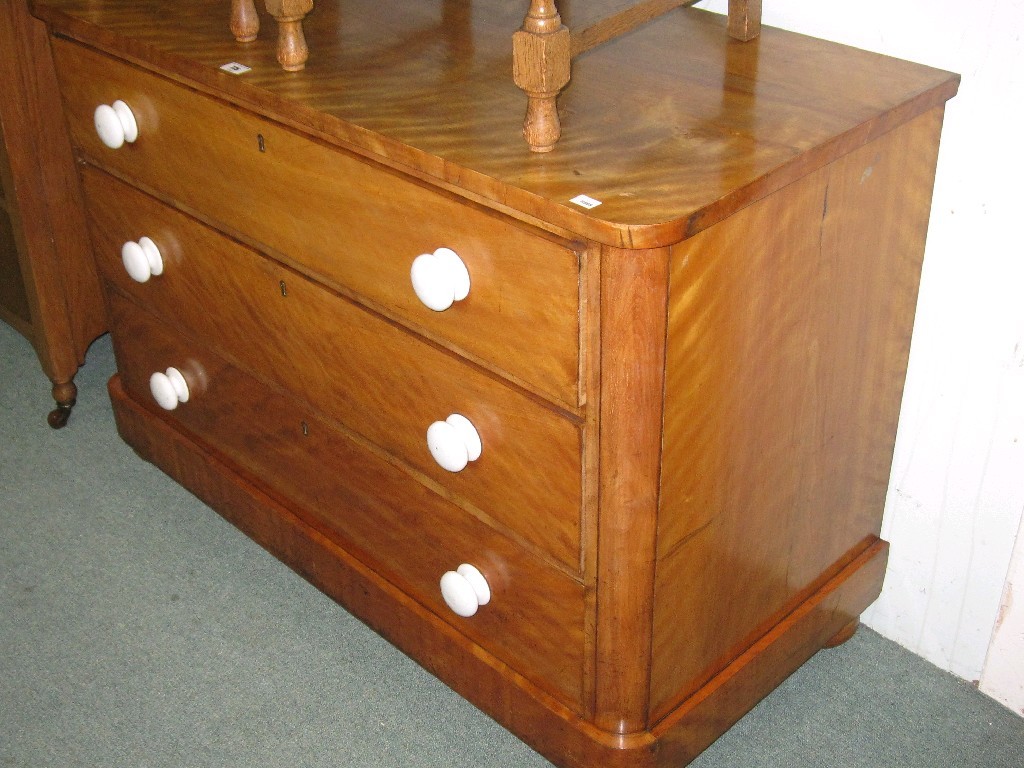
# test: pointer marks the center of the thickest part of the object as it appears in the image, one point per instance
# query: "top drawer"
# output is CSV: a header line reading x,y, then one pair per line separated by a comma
x,y
350,222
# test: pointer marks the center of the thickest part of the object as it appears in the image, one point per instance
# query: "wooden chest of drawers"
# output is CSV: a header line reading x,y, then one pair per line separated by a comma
x,y
612,473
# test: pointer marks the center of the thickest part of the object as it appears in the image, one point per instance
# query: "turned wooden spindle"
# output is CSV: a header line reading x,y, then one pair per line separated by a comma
x,y
540,66
543,49
744,19
245,22
291,42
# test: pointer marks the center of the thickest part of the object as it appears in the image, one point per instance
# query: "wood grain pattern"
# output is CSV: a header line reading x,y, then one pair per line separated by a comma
x,y
543,49
634,299
755,116
361,235
549,726
783,403
408,534
690,449
367,374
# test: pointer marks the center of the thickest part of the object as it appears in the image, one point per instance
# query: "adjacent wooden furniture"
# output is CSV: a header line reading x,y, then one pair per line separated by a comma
x,y
544,48
292,50
49,288
600,436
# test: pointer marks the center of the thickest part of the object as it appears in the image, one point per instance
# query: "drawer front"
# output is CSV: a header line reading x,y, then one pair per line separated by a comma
x,y
371,375
409,535
348,221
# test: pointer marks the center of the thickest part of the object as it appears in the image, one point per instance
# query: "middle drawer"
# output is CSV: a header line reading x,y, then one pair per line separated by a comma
x,y
534,617
358,369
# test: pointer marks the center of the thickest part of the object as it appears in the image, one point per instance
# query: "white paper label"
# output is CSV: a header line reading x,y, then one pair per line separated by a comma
x,y
235,68
583,201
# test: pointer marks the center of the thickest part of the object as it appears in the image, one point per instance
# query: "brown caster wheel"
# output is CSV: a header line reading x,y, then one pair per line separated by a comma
x,y
65,395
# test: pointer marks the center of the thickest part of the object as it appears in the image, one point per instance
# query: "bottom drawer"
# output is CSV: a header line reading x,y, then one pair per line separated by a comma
x,y
534,620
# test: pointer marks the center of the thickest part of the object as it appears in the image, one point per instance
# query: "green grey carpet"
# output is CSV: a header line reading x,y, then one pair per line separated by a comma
x,y
137,628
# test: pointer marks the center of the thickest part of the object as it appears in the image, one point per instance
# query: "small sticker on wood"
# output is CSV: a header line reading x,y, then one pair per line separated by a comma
x,y
235,68
585,201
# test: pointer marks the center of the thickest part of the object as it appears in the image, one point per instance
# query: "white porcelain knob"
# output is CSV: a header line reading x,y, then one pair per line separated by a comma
x,y
115,124
142,259
465,590
169,388
440,279
454,442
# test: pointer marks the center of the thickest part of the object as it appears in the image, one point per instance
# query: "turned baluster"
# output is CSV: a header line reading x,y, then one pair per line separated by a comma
x,y
291,42
744,19
292,51
245,22
543,48
540,66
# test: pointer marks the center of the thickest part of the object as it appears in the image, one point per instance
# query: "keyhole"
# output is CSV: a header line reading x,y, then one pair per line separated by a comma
x,y
260,142
305,429
284,289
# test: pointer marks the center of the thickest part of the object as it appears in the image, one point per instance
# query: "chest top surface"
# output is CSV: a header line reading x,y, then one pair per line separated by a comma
x,y
671,127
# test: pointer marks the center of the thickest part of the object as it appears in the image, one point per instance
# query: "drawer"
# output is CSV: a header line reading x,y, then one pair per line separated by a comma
x,y
355,367
411,536
353,223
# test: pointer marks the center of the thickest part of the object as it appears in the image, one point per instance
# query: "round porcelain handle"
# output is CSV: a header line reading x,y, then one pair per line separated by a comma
x,y
440,279
465,590
115,124
142,259
169,388
454,442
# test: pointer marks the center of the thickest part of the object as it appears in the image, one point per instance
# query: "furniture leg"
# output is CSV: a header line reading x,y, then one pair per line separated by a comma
x,y
292,51
540,66
844,634
245,22
744,19
65,393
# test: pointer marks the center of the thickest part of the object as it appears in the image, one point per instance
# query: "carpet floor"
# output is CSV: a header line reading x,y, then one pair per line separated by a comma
x,y
138,628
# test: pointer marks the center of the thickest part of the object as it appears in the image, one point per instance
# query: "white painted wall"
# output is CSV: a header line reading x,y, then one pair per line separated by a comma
x,y
1003,679
957,491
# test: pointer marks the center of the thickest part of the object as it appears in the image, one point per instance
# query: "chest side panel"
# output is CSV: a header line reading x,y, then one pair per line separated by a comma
x,y
789,330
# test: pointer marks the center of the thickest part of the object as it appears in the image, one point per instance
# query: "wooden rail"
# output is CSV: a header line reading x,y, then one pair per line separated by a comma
x,y
622,22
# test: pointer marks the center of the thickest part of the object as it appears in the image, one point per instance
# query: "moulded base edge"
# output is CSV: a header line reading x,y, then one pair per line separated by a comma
x,y
541,721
